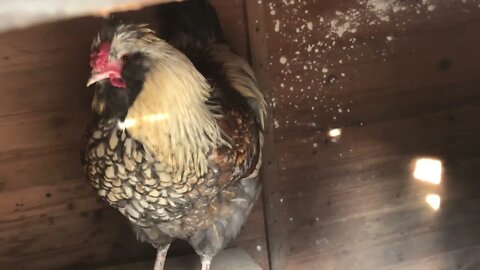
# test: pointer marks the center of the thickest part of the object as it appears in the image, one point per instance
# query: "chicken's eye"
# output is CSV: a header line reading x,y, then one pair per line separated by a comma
x,y
125,58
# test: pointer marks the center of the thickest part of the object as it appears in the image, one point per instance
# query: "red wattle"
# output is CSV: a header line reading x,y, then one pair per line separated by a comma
x,y
117,81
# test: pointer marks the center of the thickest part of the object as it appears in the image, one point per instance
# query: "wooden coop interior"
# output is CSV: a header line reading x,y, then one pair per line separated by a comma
x,y
360,92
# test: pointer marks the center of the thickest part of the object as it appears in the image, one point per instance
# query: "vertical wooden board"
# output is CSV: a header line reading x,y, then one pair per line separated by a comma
x,y
235,27
400,79
232,19
259,58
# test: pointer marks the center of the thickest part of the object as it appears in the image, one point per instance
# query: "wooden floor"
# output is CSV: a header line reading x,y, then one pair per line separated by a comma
x,y
399,80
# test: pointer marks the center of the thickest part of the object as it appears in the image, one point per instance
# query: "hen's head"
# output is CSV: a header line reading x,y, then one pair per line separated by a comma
x,y
118,51
120,58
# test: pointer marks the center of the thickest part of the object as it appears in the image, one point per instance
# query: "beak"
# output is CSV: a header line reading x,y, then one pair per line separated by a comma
x,y
97,77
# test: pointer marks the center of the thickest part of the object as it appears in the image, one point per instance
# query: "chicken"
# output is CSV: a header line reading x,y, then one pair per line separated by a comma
x,y
176,141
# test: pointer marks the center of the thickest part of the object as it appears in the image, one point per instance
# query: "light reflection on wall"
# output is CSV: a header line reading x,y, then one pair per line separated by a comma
x,y
433,200
428,170
335,133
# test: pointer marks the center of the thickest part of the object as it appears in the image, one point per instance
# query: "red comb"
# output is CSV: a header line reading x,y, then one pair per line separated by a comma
x,y
99,60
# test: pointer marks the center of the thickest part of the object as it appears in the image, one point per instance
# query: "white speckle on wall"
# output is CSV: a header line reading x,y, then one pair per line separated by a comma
x,y
313,39
381,8
286,2
310,25
339,28
277,25
276,124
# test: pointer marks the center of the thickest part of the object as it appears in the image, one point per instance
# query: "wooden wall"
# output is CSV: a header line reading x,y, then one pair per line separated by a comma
x,y
401,79
50,217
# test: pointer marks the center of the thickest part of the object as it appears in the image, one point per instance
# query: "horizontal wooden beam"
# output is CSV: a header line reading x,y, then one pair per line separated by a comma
x,y
17,14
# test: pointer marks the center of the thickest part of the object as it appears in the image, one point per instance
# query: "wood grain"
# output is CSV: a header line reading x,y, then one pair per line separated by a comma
x,y
399,90
20,14
259,55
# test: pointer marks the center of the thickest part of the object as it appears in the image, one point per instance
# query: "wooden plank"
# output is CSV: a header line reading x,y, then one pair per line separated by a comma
x,y
232,19
259,58
363,85
40,222
18,14
400,85
252,237
367,209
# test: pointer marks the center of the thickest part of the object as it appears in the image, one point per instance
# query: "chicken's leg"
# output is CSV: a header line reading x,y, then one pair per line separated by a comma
x,y
161,255
206,260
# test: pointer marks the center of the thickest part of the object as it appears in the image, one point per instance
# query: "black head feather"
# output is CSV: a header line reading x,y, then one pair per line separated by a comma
x,y
111,101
